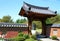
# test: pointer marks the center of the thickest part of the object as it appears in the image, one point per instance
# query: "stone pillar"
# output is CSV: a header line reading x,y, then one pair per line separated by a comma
x,y
29,25
43,27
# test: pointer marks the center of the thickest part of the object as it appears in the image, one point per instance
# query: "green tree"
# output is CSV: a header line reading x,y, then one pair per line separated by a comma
x,y
48,21
52,20
21,20
6,19
17,21
38,24
11,21
0,20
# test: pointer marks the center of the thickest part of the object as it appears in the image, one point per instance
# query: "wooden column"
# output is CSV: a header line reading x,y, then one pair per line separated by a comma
x,y
29,25
43,27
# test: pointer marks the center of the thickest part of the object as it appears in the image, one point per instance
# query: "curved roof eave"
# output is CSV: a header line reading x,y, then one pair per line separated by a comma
x,y
45,10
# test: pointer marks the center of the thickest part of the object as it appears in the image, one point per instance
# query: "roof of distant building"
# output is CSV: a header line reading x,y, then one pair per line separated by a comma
x,y
53,25
13,25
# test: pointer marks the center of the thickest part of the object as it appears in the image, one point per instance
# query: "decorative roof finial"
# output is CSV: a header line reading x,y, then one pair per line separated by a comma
x,y
55,12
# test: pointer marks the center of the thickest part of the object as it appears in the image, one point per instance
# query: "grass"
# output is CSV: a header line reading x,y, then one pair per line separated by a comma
x,y
39,30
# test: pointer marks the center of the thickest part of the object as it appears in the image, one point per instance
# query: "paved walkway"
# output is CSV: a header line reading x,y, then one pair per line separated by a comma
x,y
47,39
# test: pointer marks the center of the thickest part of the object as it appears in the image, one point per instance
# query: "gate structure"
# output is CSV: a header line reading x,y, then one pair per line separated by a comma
x,y
36,13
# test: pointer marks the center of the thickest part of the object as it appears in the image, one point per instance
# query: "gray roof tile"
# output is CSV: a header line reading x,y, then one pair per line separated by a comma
x,y
53,25
12,25
43,10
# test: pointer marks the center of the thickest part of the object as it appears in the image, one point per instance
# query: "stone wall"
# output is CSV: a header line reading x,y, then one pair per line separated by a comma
x,y
12,30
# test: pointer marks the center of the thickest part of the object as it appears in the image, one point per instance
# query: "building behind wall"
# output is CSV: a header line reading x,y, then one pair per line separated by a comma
x,y
53,30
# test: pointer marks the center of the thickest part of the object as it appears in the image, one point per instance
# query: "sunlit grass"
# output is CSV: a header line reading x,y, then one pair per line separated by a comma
x,y
39,30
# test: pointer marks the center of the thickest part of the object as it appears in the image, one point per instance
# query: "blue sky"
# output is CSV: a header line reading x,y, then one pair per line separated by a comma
x,y
12,7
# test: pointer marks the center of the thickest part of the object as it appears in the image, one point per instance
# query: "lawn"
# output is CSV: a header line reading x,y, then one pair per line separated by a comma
x,y
39,30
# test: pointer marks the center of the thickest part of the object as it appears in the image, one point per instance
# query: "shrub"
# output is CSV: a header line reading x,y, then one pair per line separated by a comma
x,y
33,37
19,38
20,34
1,38
26,36
54,37
30,39
10,39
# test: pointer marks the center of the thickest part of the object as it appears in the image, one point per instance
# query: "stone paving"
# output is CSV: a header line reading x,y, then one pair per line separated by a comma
x,y
47,39
1,40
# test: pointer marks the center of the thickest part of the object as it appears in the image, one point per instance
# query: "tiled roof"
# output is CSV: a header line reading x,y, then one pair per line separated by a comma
x,y
12,25
46,8
53,25
43,10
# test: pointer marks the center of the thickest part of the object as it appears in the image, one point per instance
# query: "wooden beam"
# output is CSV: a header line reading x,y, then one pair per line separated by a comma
x,y
29,25
43,27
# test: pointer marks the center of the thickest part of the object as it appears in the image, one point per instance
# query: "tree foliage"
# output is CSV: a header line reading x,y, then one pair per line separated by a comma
x,y
52,20
21,20
38,24
6,19
20,37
